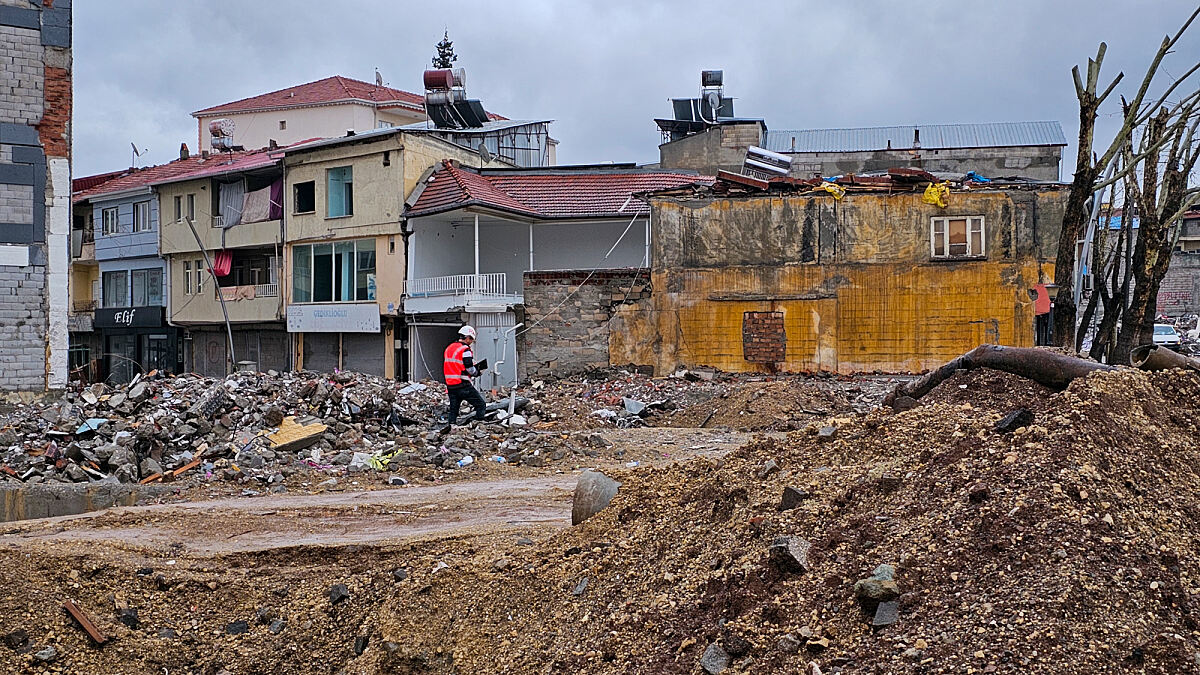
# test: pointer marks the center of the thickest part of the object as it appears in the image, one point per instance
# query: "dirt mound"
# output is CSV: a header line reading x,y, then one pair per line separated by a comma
x,y
775,405
1069,546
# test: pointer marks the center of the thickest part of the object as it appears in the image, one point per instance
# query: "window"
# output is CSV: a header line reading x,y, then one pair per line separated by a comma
x,y
282,124
147,288
340,195
179,208
200,272
343,271
960,237
109,223
141,217
304,198
191,207
116,289
187,277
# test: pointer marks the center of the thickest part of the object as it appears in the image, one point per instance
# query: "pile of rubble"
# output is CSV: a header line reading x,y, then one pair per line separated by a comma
x,y
264,427
940,539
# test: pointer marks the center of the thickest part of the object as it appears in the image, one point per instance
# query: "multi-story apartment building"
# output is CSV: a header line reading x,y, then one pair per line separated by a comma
x,y
345,244
134,335
228,212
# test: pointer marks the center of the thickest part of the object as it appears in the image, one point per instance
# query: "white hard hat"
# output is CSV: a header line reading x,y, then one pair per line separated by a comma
x,y
467,331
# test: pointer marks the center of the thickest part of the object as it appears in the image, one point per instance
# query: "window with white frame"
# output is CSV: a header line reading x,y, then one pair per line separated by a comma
x,y
116,288
179,208
141,217
342,271
108,220
147,287
191,207
187,277
957,237
200,272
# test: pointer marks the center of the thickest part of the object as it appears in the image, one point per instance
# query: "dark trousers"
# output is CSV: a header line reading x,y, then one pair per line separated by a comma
x,y
465,392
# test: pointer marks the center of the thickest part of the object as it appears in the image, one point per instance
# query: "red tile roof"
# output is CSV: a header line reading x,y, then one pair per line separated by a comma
x,y
196,166
334,89
549,193
89,182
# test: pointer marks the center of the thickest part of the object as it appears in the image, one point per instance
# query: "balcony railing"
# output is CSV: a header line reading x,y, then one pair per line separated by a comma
x,y
87,306
247,292
465,285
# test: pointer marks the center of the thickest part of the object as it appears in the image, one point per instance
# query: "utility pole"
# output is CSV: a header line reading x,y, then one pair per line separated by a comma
x,y
216,288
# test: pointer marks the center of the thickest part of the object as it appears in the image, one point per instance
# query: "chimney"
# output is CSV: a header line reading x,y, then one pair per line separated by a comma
x,y
204,154
793,143
272,144
916,138
349,132
183,151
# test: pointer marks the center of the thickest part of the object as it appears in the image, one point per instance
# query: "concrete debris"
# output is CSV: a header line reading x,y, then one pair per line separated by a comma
x,y
714,660
789,554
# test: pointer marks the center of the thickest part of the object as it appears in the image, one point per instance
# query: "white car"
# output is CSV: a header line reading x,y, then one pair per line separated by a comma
x,y
1165,336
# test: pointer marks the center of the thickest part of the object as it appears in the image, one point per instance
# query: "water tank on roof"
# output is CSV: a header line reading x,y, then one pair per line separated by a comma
x,y
439,79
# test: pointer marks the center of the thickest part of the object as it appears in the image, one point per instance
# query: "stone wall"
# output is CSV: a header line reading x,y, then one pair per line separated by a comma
x,y
35,194
572,336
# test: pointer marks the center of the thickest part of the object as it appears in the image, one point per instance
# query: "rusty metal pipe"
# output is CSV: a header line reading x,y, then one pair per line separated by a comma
x,y
1154,357
1049,368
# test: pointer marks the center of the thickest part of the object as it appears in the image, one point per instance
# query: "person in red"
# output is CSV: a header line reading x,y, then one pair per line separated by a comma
x,y
459,366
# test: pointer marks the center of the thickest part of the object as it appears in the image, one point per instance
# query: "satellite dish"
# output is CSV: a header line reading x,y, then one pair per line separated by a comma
x,y
485,155
714,103
378,78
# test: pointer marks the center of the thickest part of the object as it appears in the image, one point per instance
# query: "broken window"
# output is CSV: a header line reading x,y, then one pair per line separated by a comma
x,y
304,198
957,237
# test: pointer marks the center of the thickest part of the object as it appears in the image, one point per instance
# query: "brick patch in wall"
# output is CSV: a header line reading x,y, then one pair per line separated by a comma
x,y
764,339
52,130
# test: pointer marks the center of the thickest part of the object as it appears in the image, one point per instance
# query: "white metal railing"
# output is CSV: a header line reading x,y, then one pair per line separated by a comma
x,y
218,221
491,284
266,291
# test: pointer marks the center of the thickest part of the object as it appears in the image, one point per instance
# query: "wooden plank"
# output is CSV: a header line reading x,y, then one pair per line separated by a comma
x,y
91,629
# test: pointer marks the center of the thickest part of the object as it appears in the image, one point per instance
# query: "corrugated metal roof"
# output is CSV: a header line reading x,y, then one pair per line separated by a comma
x,y
933,136
492,125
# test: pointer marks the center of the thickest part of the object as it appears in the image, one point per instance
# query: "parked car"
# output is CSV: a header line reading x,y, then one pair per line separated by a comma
x,y
1165,336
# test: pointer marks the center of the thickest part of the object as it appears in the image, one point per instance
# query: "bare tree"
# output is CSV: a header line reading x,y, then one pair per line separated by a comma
x,y
1168,150
1089,165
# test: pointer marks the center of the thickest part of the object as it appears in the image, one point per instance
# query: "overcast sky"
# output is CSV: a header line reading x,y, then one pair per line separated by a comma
x,y
603,70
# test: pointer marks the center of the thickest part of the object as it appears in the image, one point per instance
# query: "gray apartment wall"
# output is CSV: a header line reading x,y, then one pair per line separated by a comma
x,y
35,194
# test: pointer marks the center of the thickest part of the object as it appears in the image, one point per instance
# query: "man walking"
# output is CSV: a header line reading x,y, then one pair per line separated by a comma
x,y
459,366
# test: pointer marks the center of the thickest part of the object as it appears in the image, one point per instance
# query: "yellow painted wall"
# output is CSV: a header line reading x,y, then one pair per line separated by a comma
x,y
176,237
869,299
82,277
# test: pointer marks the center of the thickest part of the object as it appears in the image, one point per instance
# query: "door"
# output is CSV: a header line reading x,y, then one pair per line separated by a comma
x,y
121,356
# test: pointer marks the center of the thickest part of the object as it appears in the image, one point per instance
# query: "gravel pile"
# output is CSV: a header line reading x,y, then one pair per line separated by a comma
x,y
919,542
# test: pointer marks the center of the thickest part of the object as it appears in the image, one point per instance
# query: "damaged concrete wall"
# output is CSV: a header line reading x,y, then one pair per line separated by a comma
x,y
854,280
723,147
579,334
1040,162
35,194
1179,292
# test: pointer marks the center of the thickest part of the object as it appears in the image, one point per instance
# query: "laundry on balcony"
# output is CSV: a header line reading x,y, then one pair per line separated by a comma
x,y
230,293
222,262
232,200
264,204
